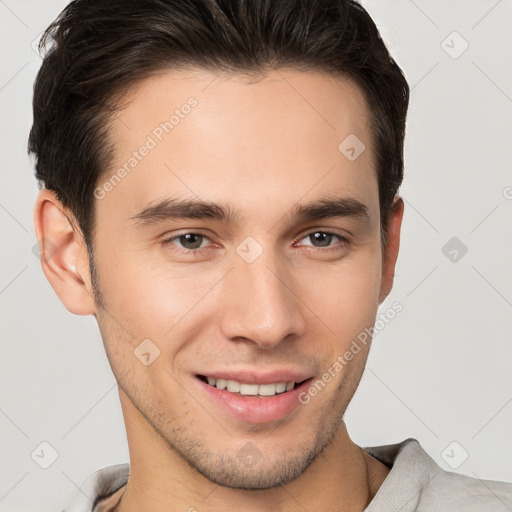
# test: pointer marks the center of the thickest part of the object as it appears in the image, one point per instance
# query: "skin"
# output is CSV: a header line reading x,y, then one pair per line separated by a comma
x,y
261,148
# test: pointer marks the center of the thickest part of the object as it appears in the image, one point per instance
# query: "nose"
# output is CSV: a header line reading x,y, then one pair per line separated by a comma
x,y
261,305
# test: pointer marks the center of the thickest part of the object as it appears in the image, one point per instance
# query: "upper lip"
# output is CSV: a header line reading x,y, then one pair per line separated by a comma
x,y
253,376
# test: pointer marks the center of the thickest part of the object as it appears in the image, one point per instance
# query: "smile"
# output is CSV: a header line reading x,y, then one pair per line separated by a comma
x,y
246,389
265,399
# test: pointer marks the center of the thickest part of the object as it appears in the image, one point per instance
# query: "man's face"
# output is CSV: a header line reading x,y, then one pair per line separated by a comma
x,y
263,297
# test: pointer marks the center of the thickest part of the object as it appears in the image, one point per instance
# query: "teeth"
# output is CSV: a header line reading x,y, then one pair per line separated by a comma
x,y
251,389
248,389
281,387
233,386
267,389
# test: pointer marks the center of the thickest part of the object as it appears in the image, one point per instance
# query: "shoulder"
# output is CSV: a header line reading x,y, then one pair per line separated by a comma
x,y
448,489
416,482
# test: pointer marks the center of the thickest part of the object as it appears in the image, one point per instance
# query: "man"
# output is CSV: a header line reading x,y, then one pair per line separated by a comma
x,y
220,190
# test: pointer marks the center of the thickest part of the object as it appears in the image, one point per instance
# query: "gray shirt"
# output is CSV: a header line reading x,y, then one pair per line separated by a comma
x,y
416,483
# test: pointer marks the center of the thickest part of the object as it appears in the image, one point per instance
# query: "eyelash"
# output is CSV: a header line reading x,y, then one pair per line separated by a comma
x,y
169,241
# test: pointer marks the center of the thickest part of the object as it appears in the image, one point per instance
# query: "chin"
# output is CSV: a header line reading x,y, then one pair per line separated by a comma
x,y
256,465
255,471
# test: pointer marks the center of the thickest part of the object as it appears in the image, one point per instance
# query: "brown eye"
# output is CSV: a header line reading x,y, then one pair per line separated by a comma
x,y
323,239
191,240
187,242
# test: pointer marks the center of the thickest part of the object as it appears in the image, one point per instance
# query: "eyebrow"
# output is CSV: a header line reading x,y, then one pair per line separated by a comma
x,y
324,208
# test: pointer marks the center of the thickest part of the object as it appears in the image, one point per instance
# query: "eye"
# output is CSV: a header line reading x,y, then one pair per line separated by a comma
x,y
324,238
187,242
191,242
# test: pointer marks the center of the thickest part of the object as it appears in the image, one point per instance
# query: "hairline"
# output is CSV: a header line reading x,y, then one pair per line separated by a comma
x,y
120,97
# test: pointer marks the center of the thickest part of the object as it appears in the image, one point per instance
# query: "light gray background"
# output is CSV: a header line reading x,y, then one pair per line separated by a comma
x,y
439,372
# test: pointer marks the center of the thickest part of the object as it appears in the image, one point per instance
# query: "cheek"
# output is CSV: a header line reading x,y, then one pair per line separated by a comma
x,y
345,296
152,297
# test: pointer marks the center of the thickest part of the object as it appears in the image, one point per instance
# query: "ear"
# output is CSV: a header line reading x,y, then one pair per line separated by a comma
x,y
390,254
63,254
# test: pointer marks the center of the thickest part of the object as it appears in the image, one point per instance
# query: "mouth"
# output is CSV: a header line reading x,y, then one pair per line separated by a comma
x,y
260,401
250,389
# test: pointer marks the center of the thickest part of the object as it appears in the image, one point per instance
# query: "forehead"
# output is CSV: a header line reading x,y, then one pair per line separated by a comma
x,y
223,137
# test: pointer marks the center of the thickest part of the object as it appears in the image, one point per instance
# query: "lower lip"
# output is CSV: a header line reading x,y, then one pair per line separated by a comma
x,y
254,409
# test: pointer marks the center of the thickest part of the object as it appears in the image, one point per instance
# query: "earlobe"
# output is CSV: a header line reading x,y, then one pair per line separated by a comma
x,y
63,253
393,244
